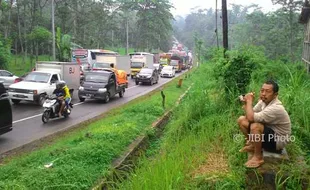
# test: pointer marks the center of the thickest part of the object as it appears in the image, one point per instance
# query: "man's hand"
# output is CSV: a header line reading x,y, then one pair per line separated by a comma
x,y
60,98
249,97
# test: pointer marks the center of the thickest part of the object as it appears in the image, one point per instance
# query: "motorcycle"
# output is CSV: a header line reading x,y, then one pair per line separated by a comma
x,y
51,108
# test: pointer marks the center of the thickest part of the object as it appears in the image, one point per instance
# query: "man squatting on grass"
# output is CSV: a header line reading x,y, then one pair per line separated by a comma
x,y
266,126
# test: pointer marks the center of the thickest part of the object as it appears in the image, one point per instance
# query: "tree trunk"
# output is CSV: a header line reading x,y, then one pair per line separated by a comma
x,y
37,51
25,35
19,30
291,33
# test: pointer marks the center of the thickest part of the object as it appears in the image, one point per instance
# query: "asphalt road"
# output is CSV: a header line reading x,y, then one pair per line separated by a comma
x,y
28,126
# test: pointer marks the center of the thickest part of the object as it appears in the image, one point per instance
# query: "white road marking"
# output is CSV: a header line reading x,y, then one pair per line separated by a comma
x,y
27,118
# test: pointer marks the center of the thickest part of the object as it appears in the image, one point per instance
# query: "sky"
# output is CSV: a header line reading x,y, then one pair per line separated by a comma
x,y
183,7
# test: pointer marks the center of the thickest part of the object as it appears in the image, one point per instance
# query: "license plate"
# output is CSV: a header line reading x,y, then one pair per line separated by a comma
x,y
19,96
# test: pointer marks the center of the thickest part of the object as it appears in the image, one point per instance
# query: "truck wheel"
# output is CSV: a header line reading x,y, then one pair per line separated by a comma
x,y
82,99
41,99
107,98
137,83
121,93
15,101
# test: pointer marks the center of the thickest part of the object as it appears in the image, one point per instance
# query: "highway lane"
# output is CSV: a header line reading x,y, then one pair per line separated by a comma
x,y
28,109
28,126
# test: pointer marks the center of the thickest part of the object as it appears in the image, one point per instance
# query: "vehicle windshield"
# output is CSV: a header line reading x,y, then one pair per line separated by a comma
x,y
174,62
146,71
163,62
136,65
37,77
97,78
167,68
101,65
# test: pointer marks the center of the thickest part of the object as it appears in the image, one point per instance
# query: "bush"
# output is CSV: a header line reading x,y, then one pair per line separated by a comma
x,y
5,54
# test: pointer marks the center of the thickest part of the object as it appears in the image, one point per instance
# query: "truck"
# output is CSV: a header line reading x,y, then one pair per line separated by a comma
x,y
41,82
120,62
176,62
141,61
100,85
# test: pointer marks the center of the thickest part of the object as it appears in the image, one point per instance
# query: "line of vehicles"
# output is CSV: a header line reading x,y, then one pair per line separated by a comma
x,y
94,74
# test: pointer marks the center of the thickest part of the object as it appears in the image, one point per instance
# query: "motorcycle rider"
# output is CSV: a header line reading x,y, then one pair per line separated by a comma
x,y
63,95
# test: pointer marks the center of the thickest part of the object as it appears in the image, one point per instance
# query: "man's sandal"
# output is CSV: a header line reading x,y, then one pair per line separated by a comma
x,y
254,164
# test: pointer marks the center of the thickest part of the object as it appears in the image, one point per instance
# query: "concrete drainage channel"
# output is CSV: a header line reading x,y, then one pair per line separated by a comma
x,y
125,163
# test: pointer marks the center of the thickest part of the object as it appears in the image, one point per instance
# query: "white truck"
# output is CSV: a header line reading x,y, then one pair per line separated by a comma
x,y
37,84
141,61
120,62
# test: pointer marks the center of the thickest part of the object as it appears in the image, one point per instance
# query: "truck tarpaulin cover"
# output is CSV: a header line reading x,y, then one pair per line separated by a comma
x,y
121,77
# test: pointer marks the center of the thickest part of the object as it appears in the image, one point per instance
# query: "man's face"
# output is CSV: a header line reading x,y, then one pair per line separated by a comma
x,y
267,94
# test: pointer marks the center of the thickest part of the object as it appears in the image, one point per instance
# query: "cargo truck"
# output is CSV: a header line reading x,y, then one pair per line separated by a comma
x,y
141,61
120,62
37,84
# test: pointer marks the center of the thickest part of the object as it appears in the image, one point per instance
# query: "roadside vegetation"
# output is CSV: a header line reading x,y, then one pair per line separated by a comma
x,y
199,149
81,158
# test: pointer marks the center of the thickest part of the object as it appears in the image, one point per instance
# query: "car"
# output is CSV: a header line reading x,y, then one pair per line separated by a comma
x,y
101,85
167,71
147,75
7,78
6,118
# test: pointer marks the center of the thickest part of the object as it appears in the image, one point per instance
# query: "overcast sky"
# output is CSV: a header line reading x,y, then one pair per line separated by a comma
x,y
183,7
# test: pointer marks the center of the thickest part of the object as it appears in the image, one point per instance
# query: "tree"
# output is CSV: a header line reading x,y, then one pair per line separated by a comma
x,y
4,52
39,35
63,43
289,7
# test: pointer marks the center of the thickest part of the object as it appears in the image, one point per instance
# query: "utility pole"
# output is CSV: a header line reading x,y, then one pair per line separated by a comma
x,y
216,31
225,25
53,30
127,36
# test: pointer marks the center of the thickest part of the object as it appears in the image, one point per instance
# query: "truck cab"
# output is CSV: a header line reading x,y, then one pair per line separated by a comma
x,y
100,85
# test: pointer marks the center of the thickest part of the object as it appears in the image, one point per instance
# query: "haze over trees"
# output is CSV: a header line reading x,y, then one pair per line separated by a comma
x,y
278,33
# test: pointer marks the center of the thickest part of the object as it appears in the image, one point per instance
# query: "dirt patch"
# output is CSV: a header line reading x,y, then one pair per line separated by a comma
x,y
215,165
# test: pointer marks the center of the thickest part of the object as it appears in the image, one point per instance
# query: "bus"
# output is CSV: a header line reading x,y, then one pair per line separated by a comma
x,y
87,57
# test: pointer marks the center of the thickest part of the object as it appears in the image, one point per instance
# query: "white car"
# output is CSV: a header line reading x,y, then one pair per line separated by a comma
x,y
7,78
167,71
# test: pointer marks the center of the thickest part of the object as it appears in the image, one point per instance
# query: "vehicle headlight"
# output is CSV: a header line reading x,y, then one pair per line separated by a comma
x,y
137,75
81,88
102,90
33,92
11,90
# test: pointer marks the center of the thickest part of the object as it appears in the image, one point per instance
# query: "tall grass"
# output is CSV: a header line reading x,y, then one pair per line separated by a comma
x,y
205,123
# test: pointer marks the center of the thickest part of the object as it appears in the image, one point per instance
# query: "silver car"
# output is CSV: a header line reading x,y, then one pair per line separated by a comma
x,y
7,78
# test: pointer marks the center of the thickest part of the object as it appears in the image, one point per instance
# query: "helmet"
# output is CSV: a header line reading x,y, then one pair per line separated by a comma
x,y
60,84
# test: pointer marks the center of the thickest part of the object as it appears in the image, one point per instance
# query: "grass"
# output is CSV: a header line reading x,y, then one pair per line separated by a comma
x,y
82,157
198,150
